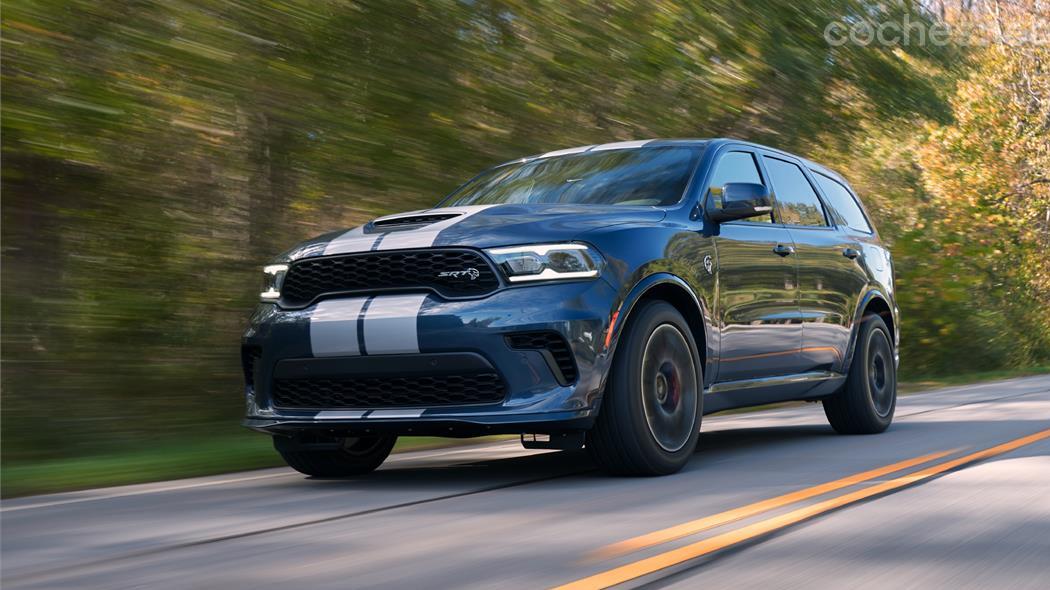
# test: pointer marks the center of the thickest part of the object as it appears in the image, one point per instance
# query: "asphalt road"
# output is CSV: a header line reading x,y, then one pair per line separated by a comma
x,y
956,494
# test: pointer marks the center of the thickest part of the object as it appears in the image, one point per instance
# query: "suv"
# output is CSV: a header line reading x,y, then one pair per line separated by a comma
x,y
605,297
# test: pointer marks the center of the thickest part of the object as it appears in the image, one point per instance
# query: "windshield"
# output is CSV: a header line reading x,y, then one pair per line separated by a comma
x,y
646,176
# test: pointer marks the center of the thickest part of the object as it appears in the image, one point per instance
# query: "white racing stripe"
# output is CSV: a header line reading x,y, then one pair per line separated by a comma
x,y
333,327
409,239
395,413
427,235
339,415
390,325
356,240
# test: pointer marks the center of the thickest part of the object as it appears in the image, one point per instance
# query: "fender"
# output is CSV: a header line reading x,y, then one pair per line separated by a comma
x,y
873,293
623,312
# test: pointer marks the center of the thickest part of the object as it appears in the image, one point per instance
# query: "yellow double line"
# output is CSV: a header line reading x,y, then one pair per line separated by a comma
x,y
683,554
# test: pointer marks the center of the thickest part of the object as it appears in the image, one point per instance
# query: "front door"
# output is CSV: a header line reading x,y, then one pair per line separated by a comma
x,y
757,284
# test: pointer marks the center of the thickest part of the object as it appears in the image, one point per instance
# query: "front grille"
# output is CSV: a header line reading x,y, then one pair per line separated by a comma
x,y
552,342
450,272
389,392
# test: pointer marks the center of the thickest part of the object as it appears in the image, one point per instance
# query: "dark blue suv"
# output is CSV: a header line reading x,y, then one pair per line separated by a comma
x,y
605,297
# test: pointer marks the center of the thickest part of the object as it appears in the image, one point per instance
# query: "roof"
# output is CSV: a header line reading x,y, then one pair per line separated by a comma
x,y
657,142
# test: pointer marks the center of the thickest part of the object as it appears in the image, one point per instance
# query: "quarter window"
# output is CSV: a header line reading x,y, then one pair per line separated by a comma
x,y
796,198
844,207
736,167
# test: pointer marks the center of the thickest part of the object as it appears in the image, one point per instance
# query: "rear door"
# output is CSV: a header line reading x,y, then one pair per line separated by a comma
x,y
829,278
856,239
757,294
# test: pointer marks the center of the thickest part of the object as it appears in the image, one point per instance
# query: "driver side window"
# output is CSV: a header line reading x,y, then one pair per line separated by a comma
x,y
736,167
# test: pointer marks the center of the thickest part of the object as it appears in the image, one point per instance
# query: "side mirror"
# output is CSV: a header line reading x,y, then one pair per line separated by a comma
x,y
739,200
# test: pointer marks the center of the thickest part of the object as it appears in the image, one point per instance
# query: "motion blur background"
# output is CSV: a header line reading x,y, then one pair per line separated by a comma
x,y
156,154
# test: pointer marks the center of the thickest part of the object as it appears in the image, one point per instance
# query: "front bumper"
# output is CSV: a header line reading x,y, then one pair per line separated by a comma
x,y
410,336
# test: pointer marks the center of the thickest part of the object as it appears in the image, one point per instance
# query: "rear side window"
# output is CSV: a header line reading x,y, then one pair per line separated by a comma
x,y
736,167
796,198
844,207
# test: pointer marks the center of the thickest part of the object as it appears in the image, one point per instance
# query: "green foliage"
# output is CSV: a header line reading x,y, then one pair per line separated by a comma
x,y
155,154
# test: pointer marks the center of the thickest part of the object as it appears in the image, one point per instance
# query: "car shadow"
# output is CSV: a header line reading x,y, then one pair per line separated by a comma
x,y
765,445
439,471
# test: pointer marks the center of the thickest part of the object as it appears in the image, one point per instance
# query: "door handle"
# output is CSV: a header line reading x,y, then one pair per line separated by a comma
x,y
783,250
851,253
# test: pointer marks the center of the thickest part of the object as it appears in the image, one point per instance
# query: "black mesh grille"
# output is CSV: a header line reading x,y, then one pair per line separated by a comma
x,y
450,272
551,341
414,220
389,392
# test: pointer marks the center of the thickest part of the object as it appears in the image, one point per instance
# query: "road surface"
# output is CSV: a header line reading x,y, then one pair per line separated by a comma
x,y
956,494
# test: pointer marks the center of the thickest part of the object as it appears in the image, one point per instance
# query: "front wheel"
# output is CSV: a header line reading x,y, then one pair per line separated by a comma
x,y
339,458
867,402
649,420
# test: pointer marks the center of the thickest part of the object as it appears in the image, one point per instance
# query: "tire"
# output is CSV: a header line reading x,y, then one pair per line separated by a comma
x,y
649,420
865,405
348,456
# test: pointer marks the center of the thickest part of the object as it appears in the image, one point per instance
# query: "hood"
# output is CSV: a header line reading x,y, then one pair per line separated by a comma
x,y
480,226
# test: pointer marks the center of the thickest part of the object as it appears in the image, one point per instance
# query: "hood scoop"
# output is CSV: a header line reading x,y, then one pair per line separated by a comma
x,y
409,221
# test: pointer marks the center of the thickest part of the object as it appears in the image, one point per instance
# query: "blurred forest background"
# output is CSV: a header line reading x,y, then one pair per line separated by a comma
x,y
156,154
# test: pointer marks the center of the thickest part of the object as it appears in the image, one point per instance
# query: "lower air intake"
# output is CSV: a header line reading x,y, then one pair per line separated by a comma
x,y
389,392
554,345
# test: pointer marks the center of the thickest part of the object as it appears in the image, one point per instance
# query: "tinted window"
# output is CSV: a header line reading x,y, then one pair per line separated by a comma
x,y
646,176
796,198
736,167
843,206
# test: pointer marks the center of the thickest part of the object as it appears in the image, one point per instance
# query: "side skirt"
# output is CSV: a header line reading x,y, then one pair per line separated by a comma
x,y
769,390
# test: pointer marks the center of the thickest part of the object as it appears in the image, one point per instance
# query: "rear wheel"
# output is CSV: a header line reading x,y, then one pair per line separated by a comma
x,y
649,421
867,402
338,458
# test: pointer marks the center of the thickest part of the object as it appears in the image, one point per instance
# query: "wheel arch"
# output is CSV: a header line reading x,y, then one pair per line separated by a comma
x,y
676,291
874,302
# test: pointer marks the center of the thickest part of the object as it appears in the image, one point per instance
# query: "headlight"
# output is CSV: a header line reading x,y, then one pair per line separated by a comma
x,y
544,262
273,278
